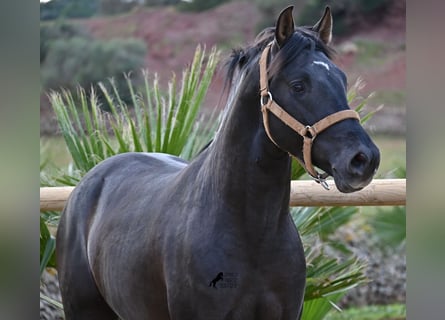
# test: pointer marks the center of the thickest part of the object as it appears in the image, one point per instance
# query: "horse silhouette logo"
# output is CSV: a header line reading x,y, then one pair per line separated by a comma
x,y
218,277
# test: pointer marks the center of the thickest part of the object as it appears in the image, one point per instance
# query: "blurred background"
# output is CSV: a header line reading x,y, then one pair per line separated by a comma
x,y
86,41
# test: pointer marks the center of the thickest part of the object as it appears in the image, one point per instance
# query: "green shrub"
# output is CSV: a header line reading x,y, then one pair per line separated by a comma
x,y
68,9
111,7
373,312
151,3
82,61
366,6
50,32
389,225
269,9
346,13
200,5
70,56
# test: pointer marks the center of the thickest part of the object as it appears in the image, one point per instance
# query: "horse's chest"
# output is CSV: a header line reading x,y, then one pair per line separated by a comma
x,y
232,280
230,262
264,306
238,302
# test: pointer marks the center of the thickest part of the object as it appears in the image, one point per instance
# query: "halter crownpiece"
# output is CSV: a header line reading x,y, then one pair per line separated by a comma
x,y
308,132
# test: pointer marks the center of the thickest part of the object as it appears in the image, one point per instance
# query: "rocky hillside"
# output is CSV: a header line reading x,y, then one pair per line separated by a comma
x,y
374,51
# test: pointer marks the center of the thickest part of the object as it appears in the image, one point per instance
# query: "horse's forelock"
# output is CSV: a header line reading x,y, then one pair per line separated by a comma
x,y
303,38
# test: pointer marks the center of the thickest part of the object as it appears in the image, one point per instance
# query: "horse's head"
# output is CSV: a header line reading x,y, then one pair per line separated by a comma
x,y
302,80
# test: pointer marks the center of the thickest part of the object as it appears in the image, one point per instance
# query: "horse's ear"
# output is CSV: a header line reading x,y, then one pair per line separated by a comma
x,y
324,26
285,26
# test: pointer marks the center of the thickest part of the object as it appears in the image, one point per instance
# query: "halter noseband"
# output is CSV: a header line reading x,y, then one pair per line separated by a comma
x,y
308,132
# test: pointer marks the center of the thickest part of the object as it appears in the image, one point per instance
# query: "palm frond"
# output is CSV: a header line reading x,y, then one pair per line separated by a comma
x,y
155,122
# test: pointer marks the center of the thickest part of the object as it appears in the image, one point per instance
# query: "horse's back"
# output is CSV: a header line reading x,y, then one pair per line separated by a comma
x,y
138,171
120,181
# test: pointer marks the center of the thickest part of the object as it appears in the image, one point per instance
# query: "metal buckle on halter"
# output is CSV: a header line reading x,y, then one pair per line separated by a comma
x,y
319,179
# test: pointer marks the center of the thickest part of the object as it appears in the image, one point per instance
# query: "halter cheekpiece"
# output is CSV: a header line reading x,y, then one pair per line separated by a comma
x,y
308,132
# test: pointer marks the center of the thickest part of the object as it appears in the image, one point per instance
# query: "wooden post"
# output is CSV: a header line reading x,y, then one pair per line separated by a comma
x,y
304,193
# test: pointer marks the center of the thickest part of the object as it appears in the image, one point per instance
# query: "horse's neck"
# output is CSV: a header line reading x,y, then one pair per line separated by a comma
x,y
245,169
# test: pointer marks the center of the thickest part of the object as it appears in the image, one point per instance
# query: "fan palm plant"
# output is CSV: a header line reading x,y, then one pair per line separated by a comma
x,y
155,122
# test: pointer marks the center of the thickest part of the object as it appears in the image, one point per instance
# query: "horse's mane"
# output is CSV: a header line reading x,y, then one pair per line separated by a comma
x,y
302,38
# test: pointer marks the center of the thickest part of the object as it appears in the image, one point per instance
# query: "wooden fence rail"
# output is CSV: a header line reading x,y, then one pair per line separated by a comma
x,y
380,192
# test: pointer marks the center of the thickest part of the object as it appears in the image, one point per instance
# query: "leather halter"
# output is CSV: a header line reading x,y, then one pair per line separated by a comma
x,y
308,132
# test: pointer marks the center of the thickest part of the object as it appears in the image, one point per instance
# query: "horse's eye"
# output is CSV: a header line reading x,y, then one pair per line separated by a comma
x,y
298,87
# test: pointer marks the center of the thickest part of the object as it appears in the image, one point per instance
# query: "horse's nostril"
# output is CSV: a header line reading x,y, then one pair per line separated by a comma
x,y
359,159
359,163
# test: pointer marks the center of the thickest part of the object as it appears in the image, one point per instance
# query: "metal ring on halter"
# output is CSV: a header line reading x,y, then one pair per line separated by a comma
x,y
310,133
262,97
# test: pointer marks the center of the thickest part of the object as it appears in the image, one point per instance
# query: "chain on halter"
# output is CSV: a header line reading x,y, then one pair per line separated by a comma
x,y
308,132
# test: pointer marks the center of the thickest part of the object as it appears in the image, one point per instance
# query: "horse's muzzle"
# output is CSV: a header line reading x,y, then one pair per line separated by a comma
x,y
357,171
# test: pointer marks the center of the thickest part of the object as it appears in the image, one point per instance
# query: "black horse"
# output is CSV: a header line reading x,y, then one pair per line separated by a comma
x,y
142,234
